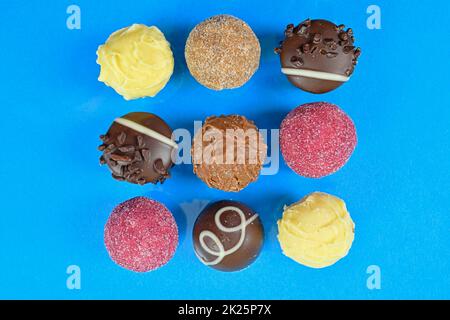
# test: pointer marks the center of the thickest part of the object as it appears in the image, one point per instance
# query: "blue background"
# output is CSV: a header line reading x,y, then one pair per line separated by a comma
x,y
56,198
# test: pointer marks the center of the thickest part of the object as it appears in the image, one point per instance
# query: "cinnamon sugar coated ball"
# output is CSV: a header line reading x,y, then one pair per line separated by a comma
x,y
222,52
141,235
317,139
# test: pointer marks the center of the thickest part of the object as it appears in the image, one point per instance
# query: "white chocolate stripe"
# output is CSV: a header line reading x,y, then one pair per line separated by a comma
x,y
314,74
146,131
222,253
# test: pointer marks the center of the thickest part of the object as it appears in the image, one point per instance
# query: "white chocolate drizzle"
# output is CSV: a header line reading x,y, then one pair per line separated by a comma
x,y
241,227
146,131
314,74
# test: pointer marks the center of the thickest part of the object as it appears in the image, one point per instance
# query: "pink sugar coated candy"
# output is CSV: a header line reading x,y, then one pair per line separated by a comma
x,y
141,235
317,139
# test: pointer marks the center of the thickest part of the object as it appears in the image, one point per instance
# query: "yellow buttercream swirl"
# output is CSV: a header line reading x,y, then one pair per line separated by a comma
x,y
136,61
317,231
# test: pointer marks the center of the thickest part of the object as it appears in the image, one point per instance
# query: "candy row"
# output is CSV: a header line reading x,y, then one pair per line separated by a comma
x,y
223,52
141,235
228,153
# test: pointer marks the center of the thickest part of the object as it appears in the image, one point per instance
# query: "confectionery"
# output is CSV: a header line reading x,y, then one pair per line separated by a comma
x,y
317,139
317,231
228,152
317,55
228,236
136,61
222,52
141,235
138,148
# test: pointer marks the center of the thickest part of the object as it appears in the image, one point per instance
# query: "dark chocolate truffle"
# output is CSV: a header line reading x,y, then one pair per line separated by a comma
x,y
228,152
228,236
138,148
317,55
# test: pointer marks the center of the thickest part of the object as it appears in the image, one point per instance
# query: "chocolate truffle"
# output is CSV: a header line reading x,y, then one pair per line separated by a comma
x,y
228,152
317,55
138,148
228,236
222,52
141,235
317,139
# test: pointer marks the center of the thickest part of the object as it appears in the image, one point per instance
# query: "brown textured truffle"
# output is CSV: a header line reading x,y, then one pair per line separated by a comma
x,y
222,52
228,152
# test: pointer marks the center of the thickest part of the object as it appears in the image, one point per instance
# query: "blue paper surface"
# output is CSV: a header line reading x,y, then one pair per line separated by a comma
x,y
56,198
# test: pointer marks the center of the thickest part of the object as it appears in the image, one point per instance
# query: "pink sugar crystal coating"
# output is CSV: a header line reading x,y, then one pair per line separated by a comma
x,y
141,235
317,139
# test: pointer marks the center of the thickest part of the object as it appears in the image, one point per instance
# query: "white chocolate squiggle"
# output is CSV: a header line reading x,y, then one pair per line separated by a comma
x,y
314,74
222,253
146,131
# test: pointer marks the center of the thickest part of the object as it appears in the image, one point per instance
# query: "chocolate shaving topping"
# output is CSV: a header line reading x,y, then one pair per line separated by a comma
x,y
121,138
297,61
332,55
110,148
348,49
140,141
127,149
145,154
330,43
119,178
137,156
317,38
101,148
343,36
305,48
289,30
120,157
159,167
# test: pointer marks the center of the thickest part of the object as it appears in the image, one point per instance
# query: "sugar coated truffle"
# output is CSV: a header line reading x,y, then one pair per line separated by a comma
x,y
141,235
317,139
138,148
222,52
228,152
317,231
136,61
228,236
317,55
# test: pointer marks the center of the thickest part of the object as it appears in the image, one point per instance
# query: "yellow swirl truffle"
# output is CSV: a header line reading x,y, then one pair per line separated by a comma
x,y
136,61
317,231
